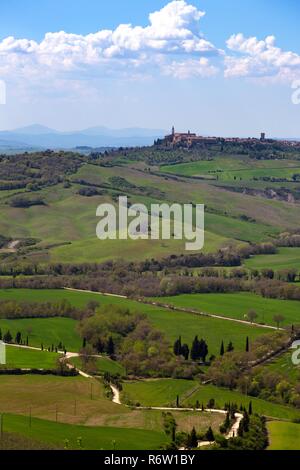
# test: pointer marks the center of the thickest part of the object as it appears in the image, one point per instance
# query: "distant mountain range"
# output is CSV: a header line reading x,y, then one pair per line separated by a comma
x,y
37,136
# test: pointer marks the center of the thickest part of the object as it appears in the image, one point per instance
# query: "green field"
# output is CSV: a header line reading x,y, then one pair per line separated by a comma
x,y
237,305
173,324
43,330
226,169
284,436
284,366
222,396
164,392
286,258
66,224
92,438
103,364
30,359
156,392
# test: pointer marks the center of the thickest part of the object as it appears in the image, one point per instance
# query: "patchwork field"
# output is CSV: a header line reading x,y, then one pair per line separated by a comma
x,y
154,393
173,324
222,396
237,305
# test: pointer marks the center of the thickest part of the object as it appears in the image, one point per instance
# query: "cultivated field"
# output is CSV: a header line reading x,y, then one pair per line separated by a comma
x,y
237,305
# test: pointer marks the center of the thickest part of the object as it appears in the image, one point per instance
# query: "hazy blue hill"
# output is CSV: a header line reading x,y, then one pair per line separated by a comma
x,y
40,136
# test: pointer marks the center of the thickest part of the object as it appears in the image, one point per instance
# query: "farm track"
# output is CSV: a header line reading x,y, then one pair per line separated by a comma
x,y
178,309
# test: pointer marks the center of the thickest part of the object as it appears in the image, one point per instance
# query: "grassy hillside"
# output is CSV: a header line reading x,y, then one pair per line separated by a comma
x,y
173,324
286,258
103,364
91,438
237,305
43,330
222,396
156,392
30,359
284,436
65,224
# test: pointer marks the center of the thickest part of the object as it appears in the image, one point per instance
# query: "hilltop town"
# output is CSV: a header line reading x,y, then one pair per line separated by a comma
x,y
189,139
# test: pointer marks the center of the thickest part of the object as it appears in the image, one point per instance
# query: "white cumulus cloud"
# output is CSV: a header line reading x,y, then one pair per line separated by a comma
x,y
171,41
260,58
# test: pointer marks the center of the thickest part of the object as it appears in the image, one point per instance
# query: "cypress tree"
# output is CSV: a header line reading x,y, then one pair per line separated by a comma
x,y
110,349
192,441
247,344
177,347
7,338
210,435
18,339
222,350
185,351
195,349
250,410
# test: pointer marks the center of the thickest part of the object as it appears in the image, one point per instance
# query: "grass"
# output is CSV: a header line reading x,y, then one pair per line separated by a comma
x,y
284,366
43,395
156,392
286,258
227,169
103,250
30,359
222,396
173,324
237,305
103,364
76,400
42,330
69,219
91,438
12,441
284,436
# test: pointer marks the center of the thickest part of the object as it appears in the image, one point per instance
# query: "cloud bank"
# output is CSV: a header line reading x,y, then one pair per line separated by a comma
x,y
172,36
172,44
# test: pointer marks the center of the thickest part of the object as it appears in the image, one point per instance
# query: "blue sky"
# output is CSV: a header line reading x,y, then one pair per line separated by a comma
x,y
183,67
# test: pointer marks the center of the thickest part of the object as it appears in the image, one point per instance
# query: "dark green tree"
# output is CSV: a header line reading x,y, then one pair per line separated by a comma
x,y
110,348
18,339
222,349
7,338
210,435
185,351
192,440
177,347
